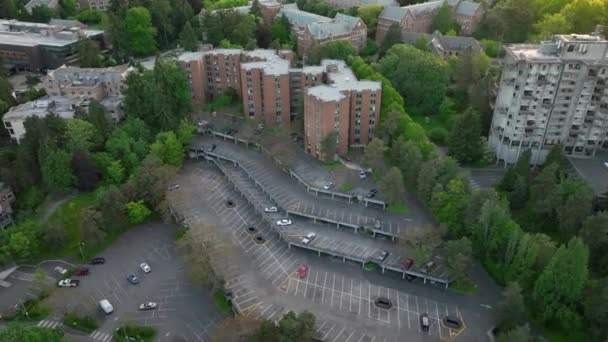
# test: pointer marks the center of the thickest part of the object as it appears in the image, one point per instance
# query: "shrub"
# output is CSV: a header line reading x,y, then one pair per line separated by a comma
x,y
129,333
83,323
438,135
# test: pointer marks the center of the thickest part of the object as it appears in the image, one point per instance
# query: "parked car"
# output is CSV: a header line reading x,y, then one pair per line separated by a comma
x,y
271,209
81,271
133,279
424,322
302,271
60,270
106,306
382,256
452,322
98,261
428,267
372,193
173,187
408,264
68,283
362,174
145,267
284,222
148,306
309,237
211,148
328,186
347,158
383,303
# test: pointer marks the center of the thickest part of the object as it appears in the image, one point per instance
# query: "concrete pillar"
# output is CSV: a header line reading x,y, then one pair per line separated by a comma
x,y
343,259
289,245
382,270
356,230
403,275
425,280
446,285
319,253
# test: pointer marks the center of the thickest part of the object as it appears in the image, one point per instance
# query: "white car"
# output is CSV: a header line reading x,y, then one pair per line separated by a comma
x,y
68,283
145,267
309,237
148,306
284,222
328,186
60,270
271,210
173,187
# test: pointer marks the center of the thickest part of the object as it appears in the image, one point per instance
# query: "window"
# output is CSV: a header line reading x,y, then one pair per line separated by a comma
x,y
570,47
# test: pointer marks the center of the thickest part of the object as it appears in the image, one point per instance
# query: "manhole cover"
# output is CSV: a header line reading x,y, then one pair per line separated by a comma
x,y
383,303
230,203
251,230
259,239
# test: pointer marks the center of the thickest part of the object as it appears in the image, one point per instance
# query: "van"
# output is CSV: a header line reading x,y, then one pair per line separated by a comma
x,y
106,306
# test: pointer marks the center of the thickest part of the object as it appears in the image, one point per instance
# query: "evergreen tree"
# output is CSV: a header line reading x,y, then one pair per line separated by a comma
x,y
188,38
256,10
443,21
391,186
465,138
90,55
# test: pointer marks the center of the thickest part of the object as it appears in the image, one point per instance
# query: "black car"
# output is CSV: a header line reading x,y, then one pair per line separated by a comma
x,y
382,256
133,279
98,261
372,193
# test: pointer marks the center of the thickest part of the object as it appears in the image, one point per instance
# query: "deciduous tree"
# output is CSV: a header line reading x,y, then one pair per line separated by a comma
x,y
137,212
458,257
86,172
188,38
595,234
391,186
407,157
465,142
140,34
81,136
511,311
22,332
168,149
443,20
89,54
57,171
91,231
373,154
448,206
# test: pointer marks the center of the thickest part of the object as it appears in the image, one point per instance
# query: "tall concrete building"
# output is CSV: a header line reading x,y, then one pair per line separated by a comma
x,y
552,93
345,106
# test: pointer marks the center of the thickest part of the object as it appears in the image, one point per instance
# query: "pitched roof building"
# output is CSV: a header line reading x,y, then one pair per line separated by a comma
x,y
443,46
418,18
312,28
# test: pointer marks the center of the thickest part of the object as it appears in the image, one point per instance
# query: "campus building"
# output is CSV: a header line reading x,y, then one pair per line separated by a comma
x,y
551,93
51,4
419,17
7,198
310,28
38,47
443,46
344,109
100,5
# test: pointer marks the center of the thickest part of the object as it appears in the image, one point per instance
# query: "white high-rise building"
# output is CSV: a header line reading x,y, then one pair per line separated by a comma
x,y
552,93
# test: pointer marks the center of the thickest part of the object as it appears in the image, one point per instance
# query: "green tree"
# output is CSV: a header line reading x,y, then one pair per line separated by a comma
x,y
168,149
443,20
407,157
595,310
57,171
420,77
392,187
465,138
188,38
369,14
138,212
81,136
89,54
280,31
494,228
339,49
521,168
551,24
490,47
129,144
595,234
185,132
392,37
458,257
91,231
255,9
373,155
559,287
448,206
521,266
575,205
41,14
508,21
115,172
66,8
139,31
161,16
511,310
544,190
584,15
99,117
291,327
112,203
22,332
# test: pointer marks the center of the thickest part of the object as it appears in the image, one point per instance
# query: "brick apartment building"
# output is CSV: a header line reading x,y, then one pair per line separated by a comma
x,y
273,92
37,47
310,28
344,106
6,199
419,17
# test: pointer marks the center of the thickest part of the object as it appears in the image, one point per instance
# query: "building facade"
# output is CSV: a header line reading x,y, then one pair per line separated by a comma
x,y
419,17
7,198
552,93
310,28
38,47
344,108
100,5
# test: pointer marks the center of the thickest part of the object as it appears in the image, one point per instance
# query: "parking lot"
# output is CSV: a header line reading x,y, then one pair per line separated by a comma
x,y
267,287
184,311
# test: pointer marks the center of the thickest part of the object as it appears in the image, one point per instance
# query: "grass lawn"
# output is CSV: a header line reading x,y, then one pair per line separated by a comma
x,y
70,215
464,286
397,208
222,303
332,165
346,187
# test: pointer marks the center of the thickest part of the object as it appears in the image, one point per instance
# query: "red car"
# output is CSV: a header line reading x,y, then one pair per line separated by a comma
x,y
408,263
303,271
82,271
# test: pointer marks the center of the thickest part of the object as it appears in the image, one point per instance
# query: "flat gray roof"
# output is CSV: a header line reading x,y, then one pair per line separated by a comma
x,y
34,39
594,170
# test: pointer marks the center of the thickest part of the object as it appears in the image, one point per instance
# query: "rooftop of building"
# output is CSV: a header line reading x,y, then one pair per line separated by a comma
x,y
594,170
552,50
326,93
345,79
275,67
298,17
60,105
19,33
319,26
73,73
461,7
35,3
444,42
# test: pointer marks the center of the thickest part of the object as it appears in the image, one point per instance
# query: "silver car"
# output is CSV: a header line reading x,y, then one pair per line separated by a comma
x,y
148,306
